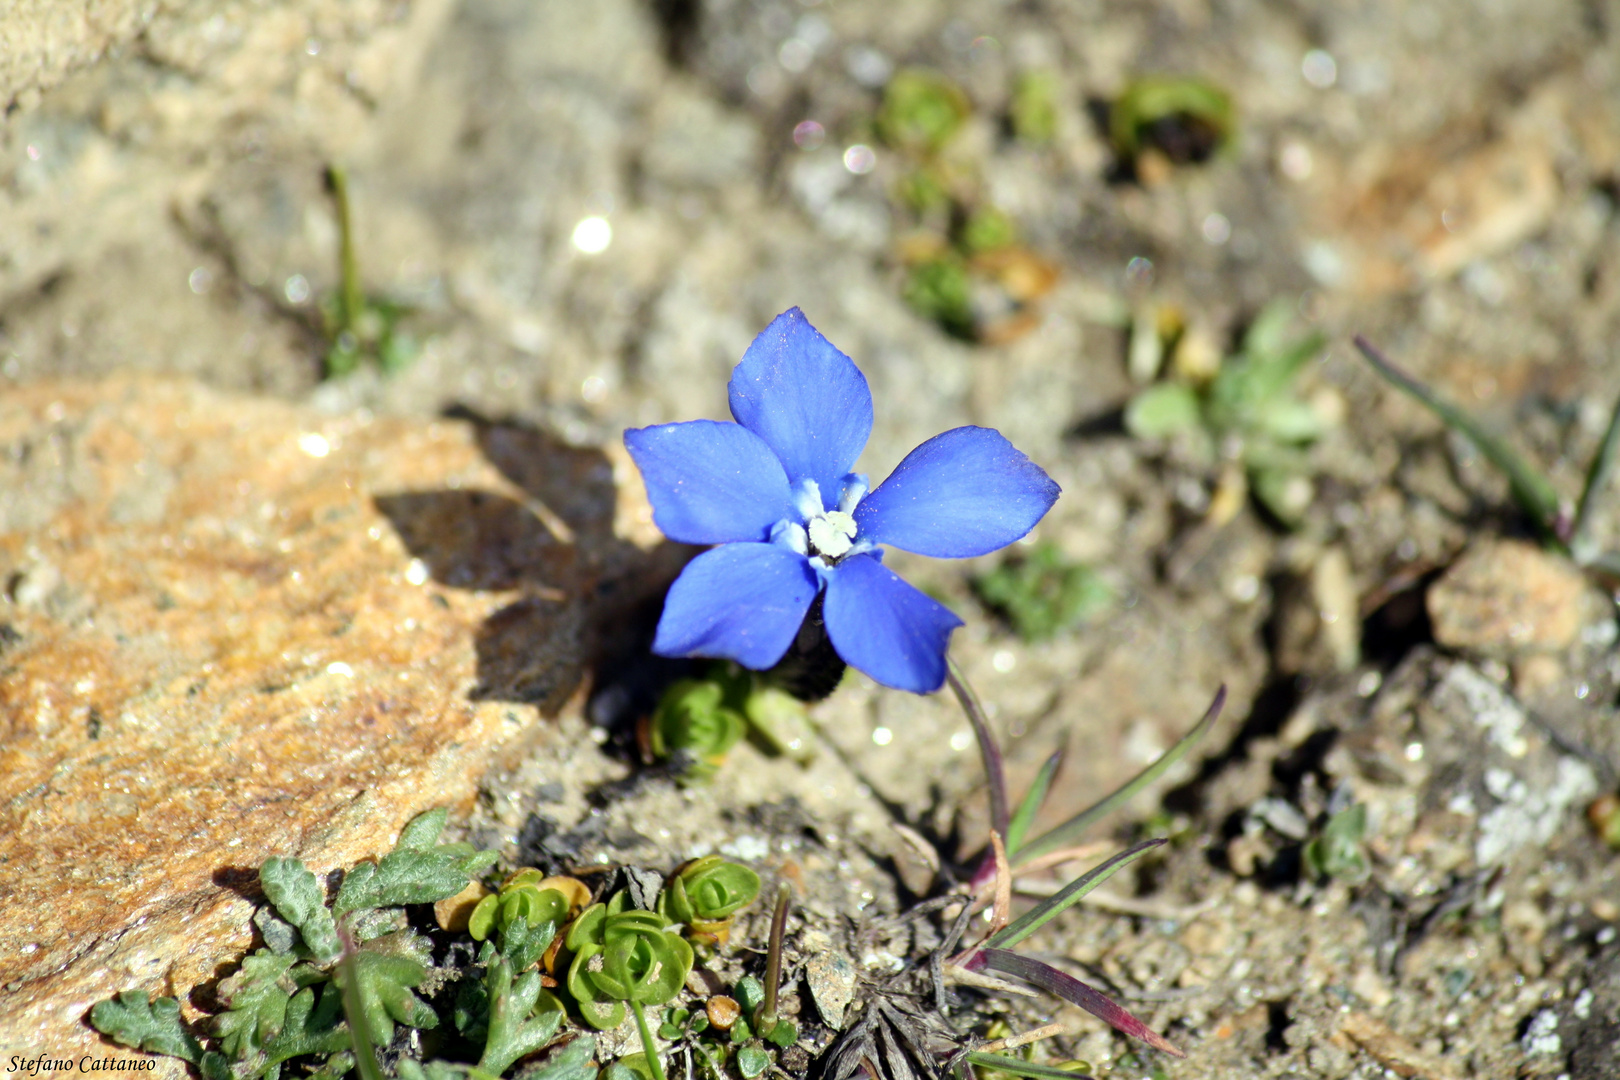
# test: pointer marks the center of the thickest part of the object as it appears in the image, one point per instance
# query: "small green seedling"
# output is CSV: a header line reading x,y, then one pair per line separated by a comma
x,y
1249,412
705,894
1042,594
1033,112
359,327
1336,851
699,720
922,109
1183,119
1565,529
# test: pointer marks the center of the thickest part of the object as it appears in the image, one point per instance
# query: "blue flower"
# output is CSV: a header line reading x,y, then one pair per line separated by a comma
x,y
774,490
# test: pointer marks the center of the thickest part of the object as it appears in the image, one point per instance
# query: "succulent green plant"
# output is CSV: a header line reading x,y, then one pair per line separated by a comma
x,y
1042,594
621,958
700,719
708,890
1249,412
922,109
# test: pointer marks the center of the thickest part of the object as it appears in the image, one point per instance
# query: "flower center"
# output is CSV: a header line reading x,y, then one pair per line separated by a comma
x,y
826,536
832,534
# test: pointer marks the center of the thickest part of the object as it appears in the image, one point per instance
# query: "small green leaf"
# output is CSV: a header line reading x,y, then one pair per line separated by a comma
x,y
1530,488
750,993
255,998
1162,410
421,833
572,1062
784,1034
513,1029
708,890
1034,107
741,1031
1337,851
1016,1066
298,898
310,1025
482,919
411,876
938,289
752,1061
154,1026
383,983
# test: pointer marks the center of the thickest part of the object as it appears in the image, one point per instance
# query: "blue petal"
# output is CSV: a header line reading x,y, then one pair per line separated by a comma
x,y
710,483
885,627
741,602
964,493
806,399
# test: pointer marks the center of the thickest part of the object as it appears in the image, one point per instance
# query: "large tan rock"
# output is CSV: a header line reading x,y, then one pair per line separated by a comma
x,y
231,629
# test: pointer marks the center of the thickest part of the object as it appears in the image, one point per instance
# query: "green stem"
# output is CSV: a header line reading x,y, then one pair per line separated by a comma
x,y
365,1056
653,1063
350,300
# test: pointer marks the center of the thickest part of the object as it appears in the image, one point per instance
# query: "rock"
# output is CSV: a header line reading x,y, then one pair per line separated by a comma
x,y
1507,596
234,628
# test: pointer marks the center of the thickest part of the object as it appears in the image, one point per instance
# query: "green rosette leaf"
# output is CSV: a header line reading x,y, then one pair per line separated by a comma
x,y
708,890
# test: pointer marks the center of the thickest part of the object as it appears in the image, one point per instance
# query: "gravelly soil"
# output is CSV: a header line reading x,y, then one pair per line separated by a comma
x,y
1448,187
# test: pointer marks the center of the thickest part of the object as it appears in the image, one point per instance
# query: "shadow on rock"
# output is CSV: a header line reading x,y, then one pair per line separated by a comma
x,y
587,598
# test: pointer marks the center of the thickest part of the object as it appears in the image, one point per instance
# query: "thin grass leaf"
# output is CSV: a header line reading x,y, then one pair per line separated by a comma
x,y
1018,1066
1066,834
1531,490
1581,545
1075,992
1042,913
1024,816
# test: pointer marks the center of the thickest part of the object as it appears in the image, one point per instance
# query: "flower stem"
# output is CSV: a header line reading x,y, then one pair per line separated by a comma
x,y
653,1063
993,770
766,1020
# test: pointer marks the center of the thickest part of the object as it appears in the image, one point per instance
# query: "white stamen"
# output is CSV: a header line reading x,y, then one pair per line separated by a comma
x,y
833,533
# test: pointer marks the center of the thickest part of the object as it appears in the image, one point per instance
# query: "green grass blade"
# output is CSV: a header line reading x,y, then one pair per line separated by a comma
x,y
1019,1067
1071,894
1581,545
1531,490
1024,816
1069,833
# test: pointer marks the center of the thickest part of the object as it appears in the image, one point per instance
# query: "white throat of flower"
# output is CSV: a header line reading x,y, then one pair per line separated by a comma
x,y
826,536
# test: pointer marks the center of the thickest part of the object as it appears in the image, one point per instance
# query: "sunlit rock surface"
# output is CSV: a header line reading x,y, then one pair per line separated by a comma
x,y
232,628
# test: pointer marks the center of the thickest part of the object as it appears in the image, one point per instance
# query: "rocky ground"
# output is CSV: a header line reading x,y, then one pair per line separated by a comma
x,y
1441,177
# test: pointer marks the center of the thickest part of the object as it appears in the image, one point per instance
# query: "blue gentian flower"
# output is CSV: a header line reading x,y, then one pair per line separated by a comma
x,y
775,492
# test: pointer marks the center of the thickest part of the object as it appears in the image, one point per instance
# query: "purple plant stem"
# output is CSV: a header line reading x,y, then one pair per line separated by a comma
x,y
994,772
1072,990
